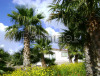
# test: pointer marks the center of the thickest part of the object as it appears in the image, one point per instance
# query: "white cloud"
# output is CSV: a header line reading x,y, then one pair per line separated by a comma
x,y
2,46
22,2
57,25
10,46
42,6
2,27
53,36
51,31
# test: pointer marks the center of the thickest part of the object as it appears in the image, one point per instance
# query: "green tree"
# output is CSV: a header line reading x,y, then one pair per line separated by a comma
x,y
43,47
82,12
26,26
4,59
17,58
4,55
72,41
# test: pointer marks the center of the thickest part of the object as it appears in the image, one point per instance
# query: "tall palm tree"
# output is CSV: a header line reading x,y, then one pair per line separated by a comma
x,y
83,12
27,24
43,47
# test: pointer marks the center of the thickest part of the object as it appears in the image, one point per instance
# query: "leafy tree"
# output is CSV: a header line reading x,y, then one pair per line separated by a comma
x,y
43,47
50,62
26,26
4,55
17,58
74,45
78,13
4,59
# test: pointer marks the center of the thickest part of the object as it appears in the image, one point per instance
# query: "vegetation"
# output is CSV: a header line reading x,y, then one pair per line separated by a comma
x,y
81,17
77,69
4,59
26,25
17,58
43,47
84,17
35,56
70,39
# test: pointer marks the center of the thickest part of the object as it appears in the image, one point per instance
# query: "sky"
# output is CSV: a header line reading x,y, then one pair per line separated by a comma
x,y
53,27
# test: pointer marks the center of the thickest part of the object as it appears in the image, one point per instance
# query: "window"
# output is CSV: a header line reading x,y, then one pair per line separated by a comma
x,y
64,54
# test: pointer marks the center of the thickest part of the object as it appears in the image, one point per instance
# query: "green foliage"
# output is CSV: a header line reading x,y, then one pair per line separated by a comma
x,y
17,58
4,55
73,41
50,62
43,46
4,59
24,19
74,16
2,72
27,25
84,17
77,69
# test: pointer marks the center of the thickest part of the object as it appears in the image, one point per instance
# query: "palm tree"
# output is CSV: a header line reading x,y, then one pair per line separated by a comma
x,y
82,12
43,47
17,58
26,26
67,41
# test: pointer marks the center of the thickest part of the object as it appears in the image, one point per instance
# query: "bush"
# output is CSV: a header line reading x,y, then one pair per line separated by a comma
x,y
50,62
77,69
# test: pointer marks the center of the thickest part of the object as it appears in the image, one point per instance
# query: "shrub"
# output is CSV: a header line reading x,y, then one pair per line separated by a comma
x,y
76,69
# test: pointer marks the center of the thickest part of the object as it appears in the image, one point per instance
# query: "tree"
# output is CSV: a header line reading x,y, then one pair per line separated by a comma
x,y
43,47
74,45
17,58
26,25
83,12
4,55
4,59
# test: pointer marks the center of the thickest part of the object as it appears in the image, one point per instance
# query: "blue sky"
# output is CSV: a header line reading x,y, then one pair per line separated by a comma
x,y
7,6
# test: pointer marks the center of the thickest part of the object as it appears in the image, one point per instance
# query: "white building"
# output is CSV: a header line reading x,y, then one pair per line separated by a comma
x,y
61,56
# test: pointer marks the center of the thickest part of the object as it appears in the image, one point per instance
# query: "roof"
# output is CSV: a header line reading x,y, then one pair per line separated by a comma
x,y
59,49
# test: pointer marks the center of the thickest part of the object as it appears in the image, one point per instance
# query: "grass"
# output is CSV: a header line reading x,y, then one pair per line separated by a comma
x,y
73,69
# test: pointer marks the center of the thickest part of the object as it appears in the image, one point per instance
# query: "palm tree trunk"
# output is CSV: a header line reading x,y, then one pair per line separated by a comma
x,y
94,45
95,53
43,61
97,41
26,52
69,57
88,62
76,58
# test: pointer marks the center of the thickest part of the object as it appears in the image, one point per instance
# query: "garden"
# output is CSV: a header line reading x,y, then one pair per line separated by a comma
x,y
73,69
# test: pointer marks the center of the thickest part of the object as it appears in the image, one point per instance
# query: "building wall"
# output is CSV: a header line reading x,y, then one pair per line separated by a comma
x,y
60,57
